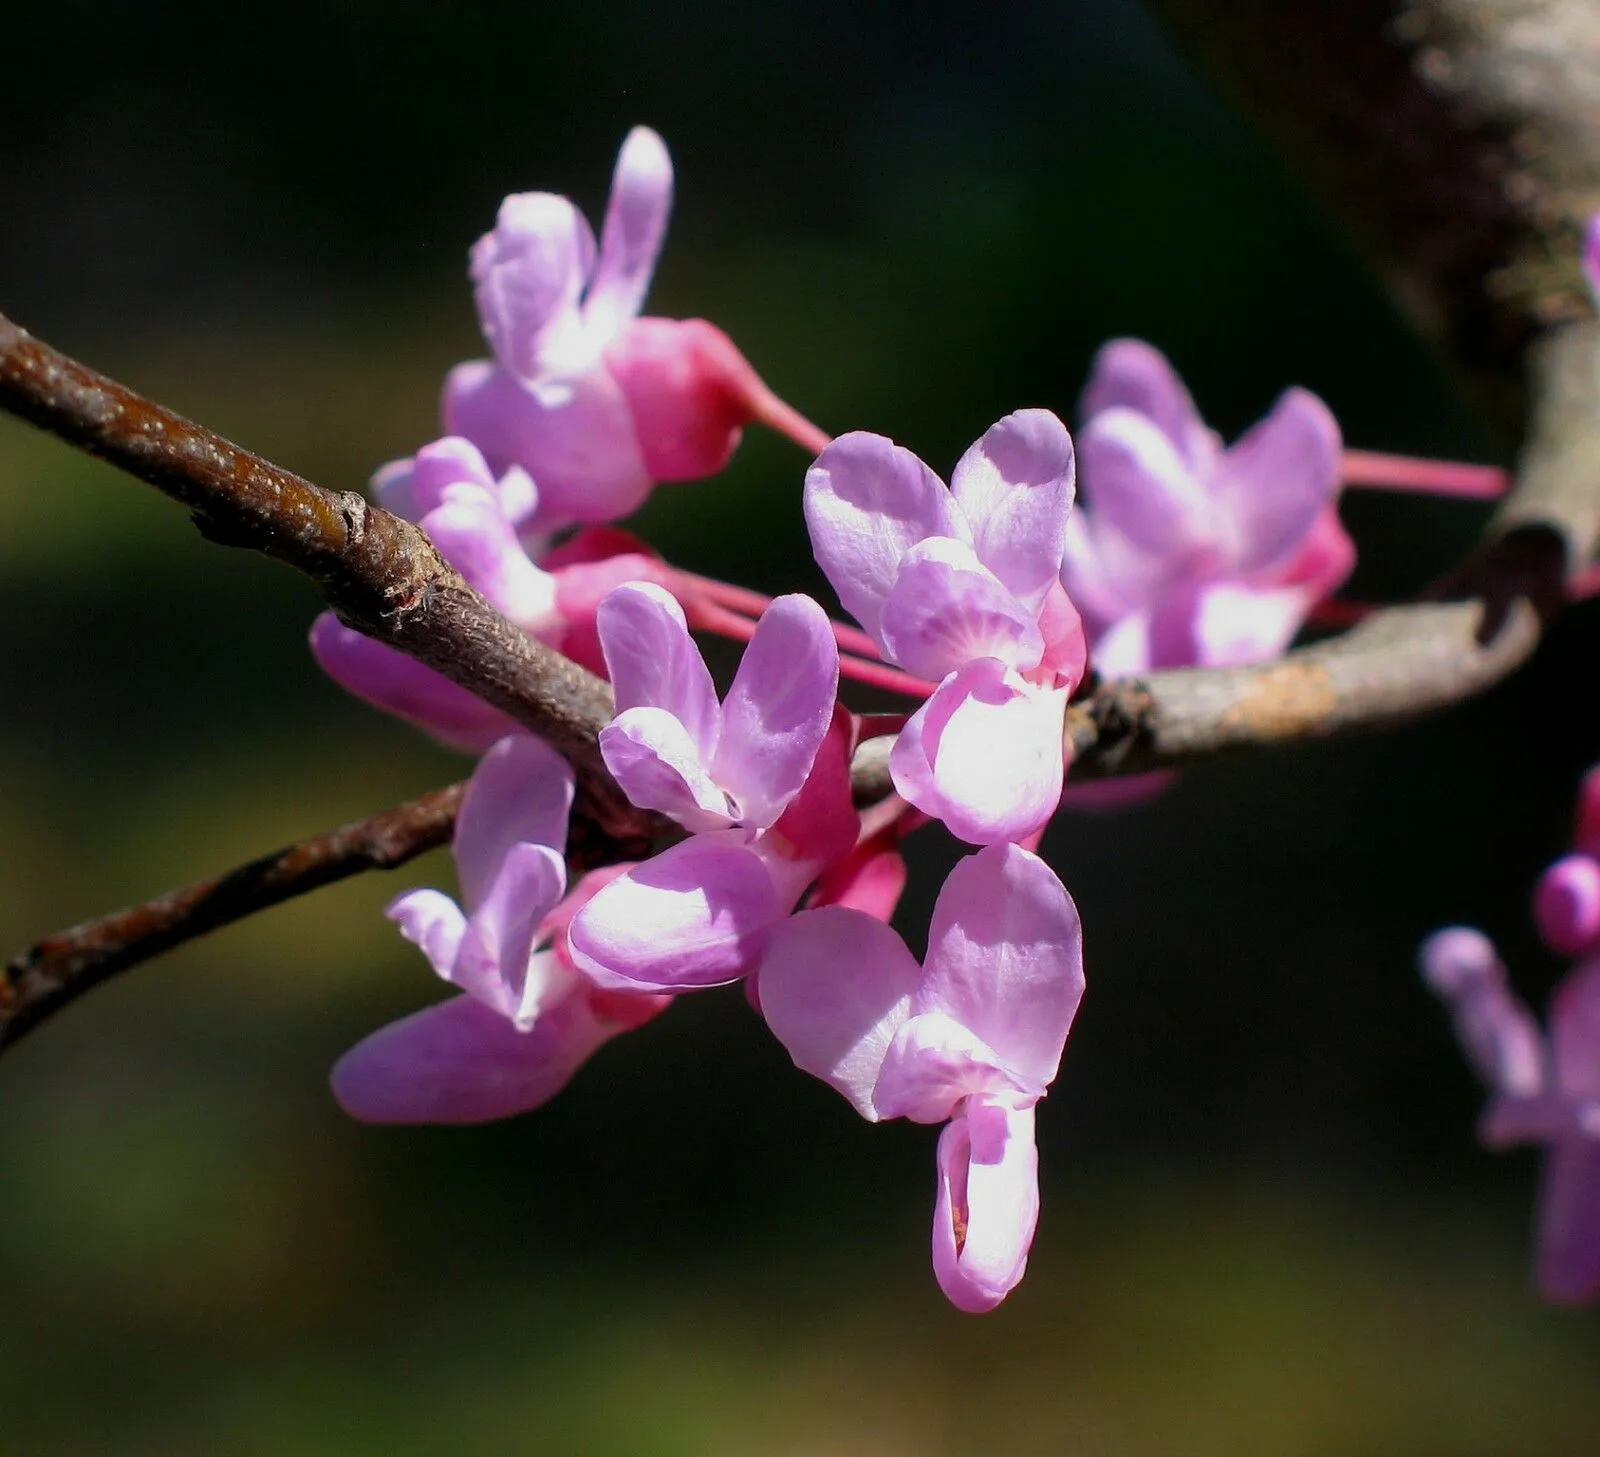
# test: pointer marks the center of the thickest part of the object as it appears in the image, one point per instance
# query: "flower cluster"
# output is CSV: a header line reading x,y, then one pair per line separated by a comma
x,y
771,875
1542,1088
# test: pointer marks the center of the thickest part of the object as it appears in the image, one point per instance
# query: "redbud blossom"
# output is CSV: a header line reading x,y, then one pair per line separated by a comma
x,y
524,1020
974,1035
1185,552
960,587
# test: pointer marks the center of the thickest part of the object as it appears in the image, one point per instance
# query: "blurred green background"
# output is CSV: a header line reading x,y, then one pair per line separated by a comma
x,y
1266,1227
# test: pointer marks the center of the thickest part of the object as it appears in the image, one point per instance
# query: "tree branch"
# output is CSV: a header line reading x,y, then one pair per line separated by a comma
x,y
61,968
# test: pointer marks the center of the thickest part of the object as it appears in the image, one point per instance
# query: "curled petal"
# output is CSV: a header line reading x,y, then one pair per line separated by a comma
x,y
1130,374
527,277
460,1062
521,791
573,434
868,501
1575,1031
1015,487
697,915
1566,904
987,1205
431,920
630,239
1005,958
836,984
933,1063
495,961
946,608
1568,1240
659,767
1137,483
1500,1038
653,662
389,679
945,760
1278,478
481,544
778,709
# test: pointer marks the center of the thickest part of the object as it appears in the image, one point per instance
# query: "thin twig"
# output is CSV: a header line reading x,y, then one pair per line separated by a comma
x,y
61,968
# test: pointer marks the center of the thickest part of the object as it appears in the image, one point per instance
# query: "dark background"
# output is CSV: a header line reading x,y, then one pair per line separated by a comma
x,y
1266,1226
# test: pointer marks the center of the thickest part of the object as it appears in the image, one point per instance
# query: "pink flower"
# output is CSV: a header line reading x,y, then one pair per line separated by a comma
x,y
974,1035
524,1020
960,587
1188,553
761,780
597,403
1541,1091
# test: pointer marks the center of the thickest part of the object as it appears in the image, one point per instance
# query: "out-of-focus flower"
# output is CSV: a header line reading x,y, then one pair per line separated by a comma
x,y
960,587
595,402
973,1036
1541,1091
1591,256
524,1019
1185,552
1566,902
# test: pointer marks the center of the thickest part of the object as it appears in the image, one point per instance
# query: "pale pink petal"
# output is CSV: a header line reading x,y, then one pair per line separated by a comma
x,y
1005,958
630,238
528,274
492,961
821,822
1575,1031
1066,641
697,915
945,760
521,791
431,920
1319,565
868,501
444,463
1277,479
946,608
778,709
460,1062
654,663
1228,624
1123,649
1566,904
1015,487
1135,482
1501,1039
555,925
389,679
1131,374
1568,1260
650,754
573,435
479,542
934,1062
835,986
987,1205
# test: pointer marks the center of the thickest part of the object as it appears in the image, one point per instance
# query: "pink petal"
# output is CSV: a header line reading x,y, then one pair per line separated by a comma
x,y
1569,1223
1228,624
987,1205
1575,1031
945,762
871,879
480,543
573,435
821,822
1566,904
1005,959
1135,481
653,662
630,240
431,920
651,755
1500,1038
697,915
1066,643
1586,820
494,960
1015,487
388,679
778,709
460,1062
1325,557
1278,478
580,589
1131,374
527,276
868,501
933,1063
444,463
835,986
946,608
520,792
